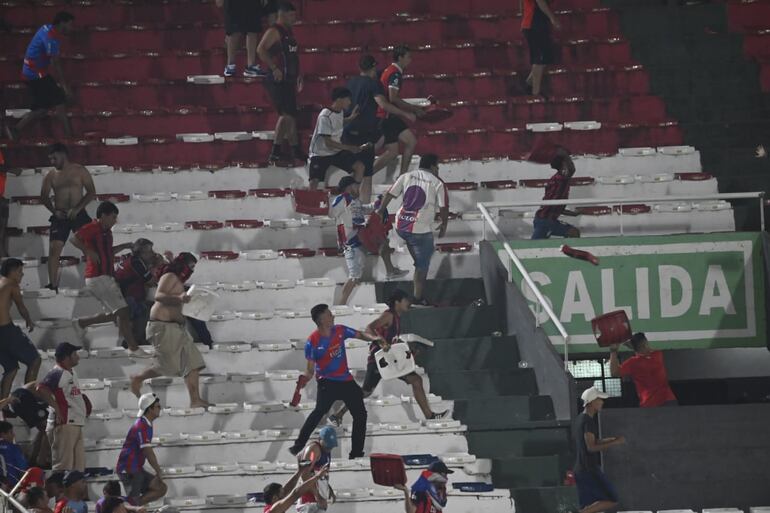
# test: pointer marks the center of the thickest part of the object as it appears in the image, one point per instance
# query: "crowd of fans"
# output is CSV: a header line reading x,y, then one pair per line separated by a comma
x,y
363,129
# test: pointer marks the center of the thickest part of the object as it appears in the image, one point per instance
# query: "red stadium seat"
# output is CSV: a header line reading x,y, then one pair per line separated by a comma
x,y
203,225
314,203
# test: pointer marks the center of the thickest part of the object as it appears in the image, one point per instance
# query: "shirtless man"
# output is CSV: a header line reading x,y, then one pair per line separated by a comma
x,y
175,350
15,347
68,181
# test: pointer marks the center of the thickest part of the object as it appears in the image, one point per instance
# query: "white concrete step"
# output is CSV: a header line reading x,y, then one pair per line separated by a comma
x,y
274,446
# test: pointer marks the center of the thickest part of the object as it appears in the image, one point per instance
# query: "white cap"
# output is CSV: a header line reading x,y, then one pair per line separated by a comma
x,y
146,401
591,394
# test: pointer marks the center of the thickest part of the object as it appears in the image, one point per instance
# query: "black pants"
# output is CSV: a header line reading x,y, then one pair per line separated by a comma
x,y
328,393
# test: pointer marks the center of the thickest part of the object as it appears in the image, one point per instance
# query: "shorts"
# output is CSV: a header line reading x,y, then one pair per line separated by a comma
x,y
421,248
372,378
540,46
544,228
15,347
283,94
310,507
366,157
136,484
61,229
107,291
175,350
45,93
355,258
593,486
243,16
344,160
391,128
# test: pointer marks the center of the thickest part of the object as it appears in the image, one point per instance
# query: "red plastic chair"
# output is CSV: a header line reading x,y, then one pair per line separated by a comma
x,y
203,225
314,203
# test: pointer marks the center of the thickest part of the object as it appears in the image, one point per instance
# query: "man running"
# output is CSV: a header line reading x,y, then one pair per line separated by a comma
x,y
73,189
328,361
317,456
536,26
279,51
423,193
369,96
95,241
43,53
15,346
388,327
350,215
394,129
175,350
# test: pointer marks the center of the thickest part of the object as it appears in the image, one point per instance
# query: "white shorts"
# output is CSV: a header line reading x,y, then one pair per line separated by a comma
x,y
106,290
355,259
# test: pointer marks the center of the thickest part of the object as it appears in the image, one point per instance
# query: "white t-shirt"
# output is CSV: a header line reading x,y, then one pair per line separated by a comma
x,y
329,123
64,386
424,193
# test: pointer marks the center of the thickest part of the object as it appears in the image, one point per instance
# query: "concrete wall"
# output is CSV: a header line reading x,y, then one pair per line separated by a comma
x,y
535,347
690,457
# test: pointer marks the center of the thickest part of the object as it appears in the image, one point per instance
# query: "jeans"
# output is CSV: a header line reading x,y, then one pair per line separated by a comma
x,y
328,393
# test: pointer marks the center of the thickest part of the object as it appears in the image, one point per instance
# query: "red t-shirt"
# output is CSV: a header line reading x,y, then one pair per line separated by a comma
x,y
650,378
96,238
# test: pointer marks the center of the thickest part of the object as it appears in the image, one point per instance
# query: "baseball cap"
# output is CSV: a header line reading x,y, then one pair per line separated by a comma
x,y
64,349
72,477
146,401
345,182
328,437
440,467
592,394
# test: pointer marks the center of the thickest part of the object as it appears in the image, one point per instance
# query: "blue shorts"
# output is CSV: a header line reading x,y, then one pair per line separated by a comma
x,y
421,248
544,228
593,486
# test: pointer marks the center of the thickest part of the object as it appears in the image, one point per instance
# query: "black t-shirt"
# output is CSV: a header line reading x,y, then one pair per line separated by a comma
x,y
586,461
364,89
28,408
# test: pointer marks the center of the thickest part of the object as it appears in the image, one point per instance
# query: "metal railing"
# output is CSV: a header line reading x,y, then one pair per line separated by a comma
x,y
611,202
7,497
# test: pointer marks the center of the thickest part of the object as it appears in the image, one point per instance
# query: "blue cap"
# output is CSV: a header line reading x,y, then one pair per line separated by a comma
x,y
328,437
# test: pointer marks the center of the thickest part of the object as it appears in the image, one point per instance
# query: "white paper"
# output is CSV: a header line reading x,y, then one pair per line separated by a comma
x,y
202,303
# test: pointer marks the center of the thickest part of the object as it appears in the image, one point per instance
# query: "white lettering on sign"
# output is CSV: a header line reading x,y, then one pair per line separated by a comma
x,y
642,293
668,275
608,294
540,279
577,300
719,298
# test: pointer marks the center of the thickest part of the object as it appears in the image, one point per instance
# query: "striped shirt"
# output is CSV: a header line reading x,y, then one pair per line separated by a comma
x,y
556,188
99,240
328,353
131,459
44,45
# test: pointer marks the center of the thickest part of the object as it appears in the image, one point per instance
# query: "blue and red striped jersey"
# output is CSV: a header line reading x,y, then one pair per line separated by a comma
x,y
556,188
44,45
100,240
131,459
328,353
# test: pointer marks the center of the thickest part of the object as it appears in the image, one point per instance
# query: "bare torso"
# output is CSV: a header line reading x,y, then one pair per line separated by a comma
x,y
6,300
68,185
168,313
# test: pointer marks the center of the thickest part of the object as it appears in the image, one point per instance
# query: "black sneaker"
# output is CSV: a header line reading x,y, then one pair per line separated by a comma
x,y
294,450
51,287
352,456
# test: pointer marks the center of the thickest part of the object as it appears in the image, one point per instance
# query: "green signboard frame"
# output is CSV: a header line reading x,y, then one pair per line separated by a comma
x,y
683,291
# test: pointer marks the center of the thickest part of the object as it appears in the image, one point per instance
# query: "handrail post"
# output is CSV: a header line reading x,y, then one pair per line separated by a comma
x,y
762,212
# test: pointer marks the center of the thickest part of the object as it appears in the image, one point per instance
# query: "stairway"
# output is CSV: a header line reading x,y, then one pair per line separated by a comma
x,y
700,70
495,394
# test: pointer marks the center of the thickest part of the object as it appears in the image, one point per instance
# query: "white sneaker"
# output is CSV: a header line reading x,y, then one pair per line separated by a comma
x,y
397,273
138,353
80,332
